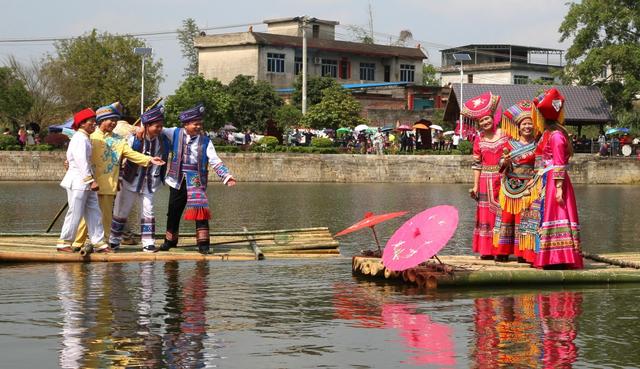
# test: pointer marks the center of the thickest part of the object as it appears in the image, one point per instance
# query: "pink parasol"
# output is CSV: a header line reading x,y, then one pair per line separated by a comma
x,y
420,238
404,127
370,220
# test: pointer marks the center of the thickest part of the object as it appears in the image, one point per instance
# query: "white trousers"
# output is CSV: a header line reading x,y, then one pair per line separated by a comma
x,y
125,200
83,204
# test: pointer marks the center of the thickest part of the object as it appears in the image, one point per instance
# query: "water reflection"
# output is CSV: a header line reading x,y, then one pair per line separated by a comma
x,y
108,320
520,331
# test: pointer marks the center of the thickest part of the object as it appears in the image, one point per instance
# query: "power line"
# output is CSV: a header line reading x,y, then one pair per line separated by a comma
x,y
140,34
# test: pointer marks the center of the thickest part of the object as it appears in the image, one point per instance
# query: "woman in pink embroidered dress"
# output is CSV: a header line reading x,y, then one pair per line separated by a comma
x,y
559,245
487,151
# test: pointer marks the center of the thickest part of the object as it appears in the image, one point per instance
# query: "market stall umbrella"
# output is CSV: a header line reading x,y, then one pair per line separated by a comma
x,y
436,127
370,220
404,127
229,127
447,133
387,128
361,127
343,130
613,131
420,238
420,126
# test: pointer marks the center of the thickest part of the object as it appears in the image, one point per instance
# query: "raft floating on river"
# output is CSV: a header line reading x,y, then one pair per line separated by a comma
x,y
469,271
243,245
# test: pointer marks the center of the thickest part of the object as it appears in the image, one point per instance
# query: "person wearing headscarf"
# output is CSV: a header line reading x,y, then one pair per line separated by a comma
x,y
139,183
485,111
516,223
559,244
107,151
81,185
192,153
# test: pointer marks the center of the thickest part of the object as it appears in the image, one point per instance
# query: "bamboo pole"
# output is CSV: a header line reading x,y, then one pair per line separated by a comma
x,y
256,250
609,260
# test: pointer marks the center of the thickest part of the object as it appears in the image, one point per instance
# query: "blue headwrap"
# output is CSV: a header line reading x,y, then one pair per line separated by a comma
x,y
109,111
153,115
189,115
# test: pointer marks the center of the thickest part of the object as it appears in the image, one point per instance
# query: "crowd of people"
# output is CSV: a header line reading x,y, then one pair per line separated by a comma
x,y
526,205
100,195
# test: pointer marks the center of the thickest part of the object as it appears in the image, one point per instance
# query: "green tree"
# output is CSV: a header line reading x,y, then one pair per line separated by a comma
x,y
186,37
98,69
288,116
605,36
336,109
315,86
15,100
253,102
360,34
429,75
196,89
45,108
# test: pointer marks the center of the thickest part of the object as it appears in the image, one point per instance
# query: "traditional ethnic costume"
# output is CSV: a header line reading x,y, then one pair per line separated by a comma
x,y
187,175
559,232
516,223
77,181
139,185
108,150
486,157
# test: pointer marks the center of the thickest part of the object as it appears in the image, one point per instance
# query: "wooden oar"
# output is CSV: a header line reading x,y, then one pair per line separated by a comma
x,y
55,219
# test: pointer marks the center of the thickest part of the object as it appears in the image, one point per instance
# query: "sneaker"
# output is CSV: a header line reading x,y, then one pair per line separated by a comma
x,y
114,246
204,249
166,246
103,248
150,248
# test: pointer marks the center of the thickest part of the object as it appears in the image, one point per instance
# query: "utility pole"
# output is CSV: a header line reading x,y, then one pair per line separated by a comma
x,y
371,23
304,64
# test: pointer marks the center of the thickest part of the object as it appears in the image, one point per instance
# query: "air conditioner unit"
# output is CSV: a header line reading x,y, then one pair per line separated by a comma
x,y
317,60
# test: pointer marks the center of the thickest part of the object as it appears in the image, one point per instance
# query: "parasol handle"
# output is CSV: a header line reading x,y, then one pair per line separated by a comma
x,y
153,105
375,236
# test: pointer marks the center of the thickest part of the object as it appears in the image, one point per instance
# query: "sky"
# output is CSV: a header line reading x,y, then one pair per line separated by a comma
x,y
435,24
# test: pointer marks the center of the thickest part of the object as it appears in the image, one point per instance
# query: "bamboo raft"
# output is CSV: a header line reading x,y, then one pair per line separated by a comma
x,y
469,271
243,245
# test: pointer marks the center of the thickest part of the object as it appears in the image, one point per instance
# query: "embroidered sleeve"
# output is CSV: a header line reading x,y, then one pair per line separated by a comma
x,y
134,156
218,166
477,155
560,156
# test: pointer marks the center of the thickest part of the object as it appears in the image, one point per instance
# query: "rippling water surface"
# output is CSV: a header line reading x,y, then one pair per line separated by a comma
x,y
309,313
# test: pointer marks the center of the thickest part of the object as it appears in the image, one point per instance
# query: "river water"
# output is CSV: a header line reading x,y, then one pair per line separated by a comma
x,y
310,313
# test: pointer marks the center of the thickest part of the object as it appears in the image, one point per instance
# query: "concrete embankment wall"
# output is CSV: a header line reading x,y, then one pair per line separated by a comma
x,y
251,167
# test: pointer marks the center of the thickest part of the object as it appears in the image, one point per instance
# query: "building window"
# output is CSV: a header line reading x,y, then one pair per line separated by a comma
x,y
329,68
298,65
547,79
469,78
275,63
316,31
407,72
520,80
367,71
345,69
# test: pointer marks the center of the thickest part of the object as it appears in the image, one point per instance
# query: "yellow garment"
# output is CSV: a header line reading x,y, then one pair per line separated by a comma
x,y
106,207
107,150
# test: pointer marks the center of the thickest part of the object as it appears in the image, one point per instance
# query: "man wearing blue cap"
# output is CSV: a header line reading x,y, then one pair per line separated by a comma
x,y
192,153
107,150
140,183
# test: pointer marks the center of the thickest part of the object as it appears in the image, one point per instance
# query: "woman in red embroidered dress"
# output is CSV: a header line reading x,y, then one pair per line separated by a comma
x,y
559,245
487,151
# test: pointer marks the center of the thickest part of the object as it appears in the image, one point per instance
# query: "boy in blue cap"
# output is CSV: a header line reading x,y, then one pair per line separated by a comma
x,y
192,153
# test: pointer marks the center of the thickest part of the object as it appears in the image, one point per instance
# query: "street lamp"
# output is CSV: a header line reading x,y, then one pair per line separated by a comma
x,y
144,51
461,57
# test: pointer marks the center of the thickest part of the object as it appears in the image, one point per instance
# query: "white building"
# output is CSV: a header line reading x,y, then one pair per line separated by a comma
x,y
276,55
501,64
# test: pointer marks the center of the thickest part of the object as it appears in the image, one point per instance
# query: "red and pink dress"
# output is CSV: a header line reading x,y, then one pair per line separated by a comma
x,y
559,228
486,155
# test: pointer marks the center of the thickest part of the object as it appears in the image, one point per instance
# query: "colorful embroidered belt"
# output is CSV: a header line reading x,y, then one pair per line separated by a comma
x,y
490,168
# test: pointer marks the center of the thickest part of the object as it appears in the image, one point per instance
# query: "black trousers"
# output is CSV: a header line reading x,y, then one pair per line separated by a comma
x,y
177,203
